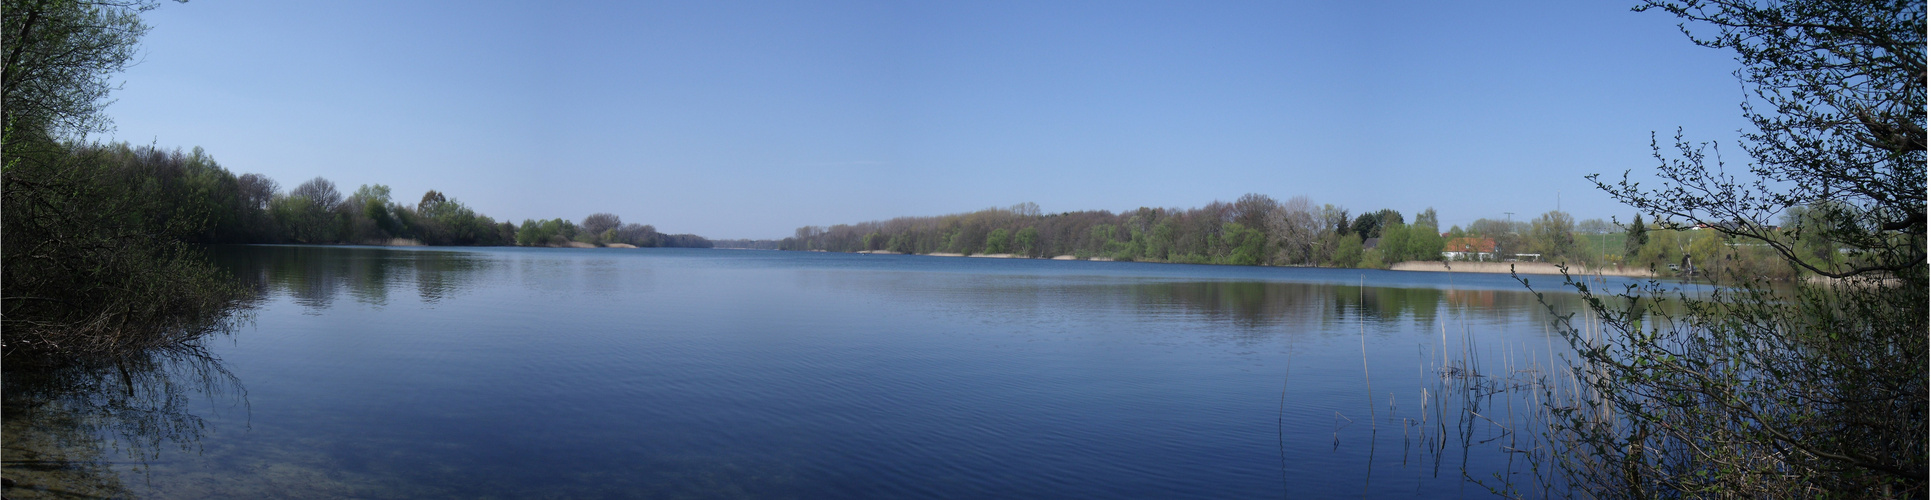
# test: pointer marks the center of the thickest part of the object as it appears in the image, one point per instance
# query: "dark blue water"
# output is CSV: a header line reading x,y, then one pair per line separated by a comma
x,y
585,373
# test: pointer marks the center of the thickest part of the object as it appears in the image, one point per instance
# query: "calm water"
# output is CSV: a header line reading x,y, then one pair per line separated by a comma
x,y
582,373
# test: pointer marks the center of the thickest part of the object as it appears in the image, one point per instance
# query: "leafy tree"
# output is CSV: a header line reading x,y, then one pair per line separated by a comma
x,y
1348,252
1428,218
1411,242
1553,235
1388,217
430,200
1367,225
1246,246
98,268
1806,389
60,58
1026,241
1637,237
1372,259
374,219
998,241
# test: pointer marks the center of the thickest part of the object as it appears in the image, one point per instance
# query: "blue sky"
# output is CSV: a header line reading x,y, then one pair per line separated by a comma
x,y
747,120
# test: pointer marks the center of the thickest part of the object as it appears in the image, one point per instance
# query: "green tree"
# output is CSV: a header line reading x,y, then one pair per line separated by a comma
x,y
1348,252
1428,218
1411,242
1553,235
1367,225
1026,242
1245,246
1635,237
1372,259
1803,389
999,241
60,60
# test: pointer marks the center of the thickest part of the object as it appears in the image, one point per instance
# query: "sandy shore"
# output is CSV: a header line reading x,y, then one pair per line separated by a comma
x,y
1518,267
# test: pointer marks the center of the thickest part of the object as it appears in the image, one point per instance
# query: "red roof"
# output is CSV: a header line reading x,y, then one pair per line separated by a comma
x,y
1483,245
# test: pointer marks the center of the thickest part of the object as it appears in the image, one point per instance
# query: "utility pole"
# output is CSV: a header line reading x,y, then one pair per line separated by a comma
x,y
1511,217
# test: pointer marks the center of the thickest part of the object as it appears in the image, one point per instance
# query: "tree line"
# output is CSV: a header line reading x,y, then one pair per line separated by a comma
x,y
213,205
1256,229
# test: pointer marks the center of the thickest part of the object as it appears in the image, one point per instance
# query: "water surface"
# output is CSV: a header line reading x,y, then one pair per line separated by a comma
x,y
585,373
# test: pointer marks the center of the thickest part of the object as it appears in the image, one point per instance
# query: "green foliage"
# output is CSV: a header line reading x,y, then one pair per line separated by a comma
x,y
1638,236
96,254
1372,259
1245,245
1401,243
1026,241
1428,218
1348,252
999,241
1297,232
1366,226
61,58
1752,390
1553,235
544,232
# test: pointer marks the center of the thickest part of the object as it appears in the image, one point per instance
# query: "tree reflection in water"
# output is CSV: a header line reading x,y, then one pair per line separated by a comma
x,y
315,276
65,428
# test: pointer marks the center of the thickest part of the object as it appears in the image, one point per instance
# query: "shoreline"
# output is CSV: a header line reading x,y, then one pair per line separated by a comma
x,y
1426,266
1544,268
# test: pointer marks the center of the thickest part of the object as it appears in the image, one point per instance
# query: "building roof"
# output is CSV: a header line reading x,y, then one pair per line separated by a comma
x,y
1482,245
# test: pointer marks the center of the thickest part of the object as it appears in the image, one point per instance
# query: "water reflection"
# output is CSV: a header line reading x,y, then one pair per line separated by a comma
x,y
66,430
1250,306
315,276
562,372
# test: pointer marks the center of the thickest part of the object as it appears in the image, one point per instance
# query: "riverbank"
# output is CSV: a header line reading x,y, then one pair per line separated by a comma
x,y
1516,267
1544,268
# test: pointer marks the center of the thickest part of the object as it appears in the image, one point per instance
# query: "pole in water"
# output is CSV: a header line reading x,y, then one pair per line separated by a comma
x,y
1361,303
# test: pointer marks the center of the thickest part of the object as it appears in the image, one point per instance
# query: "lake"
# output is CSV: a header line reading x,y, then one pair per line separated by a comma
x,y
669,373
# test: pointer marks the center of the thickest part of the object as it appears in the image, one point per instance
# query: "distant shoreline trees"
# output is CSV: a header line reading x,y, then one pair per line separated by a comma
x,y
1255,230
1258,230
251,208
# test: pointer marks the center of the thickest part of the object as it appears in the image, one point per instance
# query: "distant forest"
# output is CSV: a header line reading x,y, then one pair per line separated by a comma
x,y
191,190
1258,230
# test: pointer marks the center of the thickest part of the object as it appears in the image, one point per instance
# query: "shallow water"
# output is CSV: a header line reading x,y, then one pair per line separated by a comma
x,y
583,373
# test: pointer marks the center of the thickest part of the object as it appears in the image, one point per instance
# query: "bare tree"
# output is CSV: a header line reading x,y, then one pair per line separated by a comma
x,y
1297,231
599,222
256,190
1844,87
318,191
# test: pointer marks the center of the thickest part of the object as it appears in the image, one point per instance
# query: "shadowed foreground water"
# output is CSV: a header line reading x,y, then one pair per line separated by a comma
x,y
672,373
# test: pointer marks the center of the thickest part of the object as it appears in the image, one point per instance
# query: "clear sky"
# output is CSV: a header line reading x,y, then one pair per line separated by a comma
x,y
748,120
